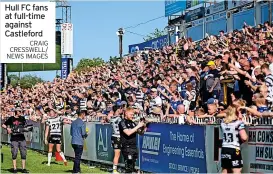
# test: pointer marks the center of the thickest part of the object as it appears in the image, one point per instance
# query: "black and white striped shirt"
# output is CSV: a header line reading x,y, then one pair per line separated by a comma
x,y
55,125
60,105
269,84
140,97
83,104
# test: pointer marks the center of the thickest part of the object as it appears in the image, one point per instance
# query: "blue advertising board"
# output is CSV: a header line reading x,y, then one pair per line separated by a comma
x,y
169,148
218,7
174,6
195,14
64,68
156,43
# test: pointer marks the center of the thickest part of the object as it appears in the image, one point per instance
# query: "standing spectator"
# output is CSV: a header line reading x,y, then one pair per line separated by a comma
x,y
78,133
14,126
156,101
212,78
268,82
128,130
256,65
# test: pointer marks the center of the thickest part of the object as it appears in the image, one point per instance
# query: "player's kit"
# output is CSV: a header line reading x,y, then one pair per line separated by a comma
x,y
55,130
116,133
231,153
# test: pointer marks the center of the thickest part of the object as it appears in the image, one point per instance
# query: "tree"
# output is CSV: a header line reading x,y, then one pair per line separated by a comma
x,y
86,63
157,33
14,80
114,60
27,81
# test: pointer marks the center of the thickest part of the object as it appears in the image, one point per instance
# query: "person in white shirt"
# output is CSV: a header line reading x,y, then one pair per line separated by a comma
x,y
156,101
256,65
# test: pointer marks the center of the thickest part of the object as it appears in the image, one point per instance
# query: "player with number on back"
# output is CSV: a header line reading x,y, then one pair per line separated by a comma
x,y
54,130
114,117
233,134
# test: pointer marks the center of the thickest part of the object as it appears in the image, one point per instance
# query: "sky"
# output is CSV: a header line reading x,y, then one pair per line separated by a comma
x,y
96,23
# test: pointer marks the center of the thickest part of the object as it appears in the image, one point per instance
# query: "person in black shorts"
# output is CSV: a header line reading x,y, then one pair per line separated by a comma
x,y
14,127
53,134
114,118
233,134
128,130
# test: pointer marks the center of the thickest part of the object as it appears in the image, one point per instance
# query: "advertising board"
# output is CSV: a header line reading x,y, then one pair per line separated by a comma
x,y
260,149
67,39
192,3
104,149
238,3
64,70
169,148
221,6
174,6
156,43
195,14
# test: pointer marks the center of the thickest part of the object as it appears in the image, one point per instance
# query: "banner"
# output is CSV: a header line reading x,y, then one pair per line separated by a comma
x,y
260,149
192,3
221,6
170,148
174,6
238,3
156,43
67,39
64,68
67,67
195,14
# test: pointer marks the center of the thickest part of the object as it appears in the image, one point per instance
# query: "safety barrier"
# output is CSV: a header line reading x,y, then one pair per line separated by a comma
x,y
248,120
169,148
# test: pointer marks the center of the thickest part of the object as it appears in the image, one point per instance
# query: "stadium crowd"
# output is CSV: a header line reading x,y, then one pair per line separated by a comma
x,y
176,84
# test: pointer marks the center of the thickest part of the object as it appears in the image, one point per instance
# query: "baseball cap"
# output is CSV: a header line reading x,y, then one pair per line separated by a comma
x,y
210,63
211,101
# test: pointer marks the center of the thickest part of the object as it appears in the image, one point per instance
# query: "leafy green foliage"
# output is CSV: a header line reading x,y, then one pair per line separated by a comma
x,y
26,81
86,63
114,60
157,33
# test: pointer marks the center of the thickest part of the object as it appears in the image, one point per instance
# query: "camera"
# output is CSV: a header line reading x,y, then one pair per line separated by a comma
x,y
21,129
142,130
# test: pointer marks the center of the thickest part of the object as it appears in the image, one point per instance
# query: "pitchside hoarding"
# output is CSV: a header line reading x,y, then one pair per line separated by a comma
x,y
169,148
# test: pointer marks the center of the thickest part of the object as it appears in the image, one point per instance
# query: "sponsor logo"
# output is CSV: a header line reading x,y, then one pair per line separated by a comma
x,y
102,145
235,163
151,143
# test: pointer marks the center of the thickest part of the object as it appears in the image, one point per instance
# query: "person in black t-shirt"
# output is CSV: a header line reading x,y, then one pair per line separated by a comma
x,y
14,126
128,130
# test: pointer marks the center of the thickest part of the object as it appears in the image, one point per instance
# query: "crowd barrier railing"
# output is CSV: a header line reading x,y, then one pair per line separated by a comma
x,y
169,148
